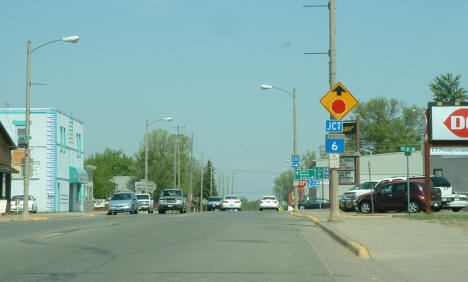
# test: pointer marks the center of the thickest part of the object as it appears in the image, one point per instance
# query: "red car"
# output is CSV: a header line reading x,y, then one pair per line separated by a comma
x,y
392,196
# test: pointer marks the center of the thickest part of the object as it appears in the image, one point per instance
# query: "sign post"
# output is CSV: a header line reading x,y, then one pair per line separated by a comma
x,y
338,101
407,151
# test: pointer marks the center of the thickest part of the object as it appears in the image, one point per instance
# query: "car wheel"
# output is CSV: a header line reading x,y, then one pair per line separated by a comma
x,y
365,207
115,213
277,209
456,209
161,211
301,207
261,209
109,213
413,207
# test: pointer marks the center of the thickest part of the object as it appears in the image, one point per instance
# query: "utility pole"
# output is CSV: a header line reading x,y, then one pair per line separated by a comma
x,y
189,206
175,163
201,185
333,189
146,157
232,184
178,158
211,182
227,184
219,184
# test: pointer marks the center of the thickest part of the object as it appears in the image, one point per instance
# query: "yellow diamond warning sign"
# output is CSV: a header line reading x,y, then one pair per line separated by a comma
x,y
339,101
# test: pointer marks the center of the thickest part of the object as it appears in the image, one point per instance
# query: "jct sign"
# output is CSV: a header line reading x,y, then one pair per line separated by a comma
x,y
449,123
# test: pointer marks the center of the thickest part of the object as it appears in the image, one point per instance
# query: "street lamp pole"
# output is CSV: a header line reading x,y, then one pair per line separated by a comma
x,y
293,95
27,153
146,149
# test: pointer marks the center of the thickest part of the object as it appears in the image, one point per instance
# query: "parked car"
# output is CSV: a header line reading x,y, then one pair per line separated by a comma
x,y
123,202
460,202
317,203
437,181
214,203
145,202
392,196
32,203
172,199
269,202
232,202
444,185
346,200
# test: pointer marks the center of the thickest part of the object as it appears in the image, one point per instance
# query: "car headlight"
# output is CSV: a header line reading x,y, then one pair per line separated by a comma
x,y
179,201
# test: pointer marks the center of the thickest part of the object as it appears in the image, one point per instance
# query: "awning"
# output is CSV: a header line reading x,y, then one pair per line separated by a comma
x,y
7,169
78,175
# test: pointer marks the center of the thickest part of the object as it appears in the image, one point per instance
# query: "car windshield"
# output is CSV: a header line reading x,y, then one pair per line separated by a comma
x,y
440,182
214,199
172,193
122,196
268,198
231,198
142,197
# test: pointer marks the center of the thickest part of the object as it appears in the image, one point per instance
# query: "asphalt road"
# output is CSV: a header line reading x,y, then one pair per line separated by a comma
x,y
214,246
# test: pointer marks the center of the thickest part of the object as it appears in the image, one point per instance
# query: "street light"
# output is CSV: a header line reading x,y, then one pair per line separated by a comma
x,y
148,124
293,95
27,155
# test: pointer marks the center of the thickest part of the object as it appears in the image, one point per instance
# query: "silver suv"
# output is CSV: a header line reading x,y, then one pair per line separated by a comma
x,y
172,199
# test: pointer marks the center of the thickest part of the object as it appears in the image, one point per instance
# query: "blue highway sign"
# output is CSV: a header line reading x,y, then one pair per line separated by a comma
x,y
334,126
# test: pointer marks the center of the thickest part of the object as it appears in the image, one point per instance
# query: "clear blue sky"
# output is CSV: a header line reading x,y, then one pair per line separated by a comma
x,y
202,62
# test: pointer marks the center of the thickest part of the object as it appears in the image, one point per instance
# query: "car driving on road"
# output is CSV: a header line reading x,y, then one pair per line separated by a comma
x,y
123,202
232,202
172,199
269,202
145,202
214,203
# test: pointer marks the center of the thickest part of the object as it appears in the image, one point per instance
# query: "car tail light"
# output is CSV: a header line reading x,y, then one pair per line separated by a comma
x,y
421,197
237,202
275,201
261,202
225,202
463,198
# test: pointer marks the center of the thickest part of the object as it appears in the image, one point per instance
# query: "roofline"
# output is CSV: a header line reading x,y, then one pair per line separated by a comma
x,y
3,130
41,109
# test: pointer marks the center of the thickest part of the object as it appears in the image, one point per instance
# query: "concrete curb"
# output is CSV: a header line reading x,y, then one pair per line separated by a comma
x,y
352,245
48,217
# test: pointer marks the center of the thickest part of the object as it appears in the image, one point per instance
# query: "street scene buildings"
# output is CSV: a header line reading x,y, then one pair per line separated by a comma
x,y
58,179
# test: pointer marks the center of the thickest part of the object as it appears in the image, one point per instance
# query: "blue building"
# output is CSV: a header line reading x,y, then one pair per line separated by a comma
x,y
59,180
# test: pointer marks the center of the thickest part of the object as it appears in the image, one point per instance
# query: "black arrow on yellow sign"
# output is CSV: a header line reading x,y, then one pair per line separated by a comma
x,y
339,90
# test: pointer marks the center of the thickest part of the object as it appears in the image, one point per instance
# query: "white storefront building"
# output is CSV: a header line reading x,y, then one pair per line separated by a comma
x,y
58,180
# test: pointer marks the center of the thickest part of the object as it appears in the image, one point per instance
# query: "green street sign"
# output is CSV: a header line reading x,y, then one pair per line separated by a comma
x,y
407,149
319,172
25,138
304,174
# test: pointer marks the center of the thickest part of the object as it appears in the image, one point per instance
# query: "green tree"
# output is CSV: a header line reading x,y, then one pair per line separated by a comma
x,y
387,124
162,148
109,163
446,88
283,184
308,160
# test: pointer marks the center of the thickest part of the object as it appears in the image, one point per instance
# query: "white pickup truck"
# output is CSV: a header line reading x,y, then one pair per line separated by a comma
x,y
145,202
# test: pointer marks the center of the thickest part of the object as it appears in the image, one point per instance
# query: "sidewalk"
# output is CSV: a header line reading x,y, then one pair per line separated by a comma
x,y
389,237
48,216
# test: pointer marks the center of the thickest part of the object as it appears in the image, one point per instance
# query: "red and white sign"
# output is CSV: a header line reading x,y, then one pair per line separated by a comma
x,y
449,123
301,183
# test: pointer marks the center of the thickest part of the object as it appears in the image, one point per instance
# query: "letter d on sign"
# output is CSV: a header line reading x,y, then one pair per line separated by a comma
x,y
458,122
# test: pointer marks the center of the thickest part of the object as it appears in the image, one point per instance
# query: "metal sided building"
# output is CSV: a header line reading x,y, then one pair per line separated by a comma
x,y
56,142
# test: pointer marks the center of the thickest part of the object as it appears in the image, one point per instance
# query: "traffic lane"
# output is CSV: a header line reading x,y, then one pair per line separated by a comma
x,y
247,246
